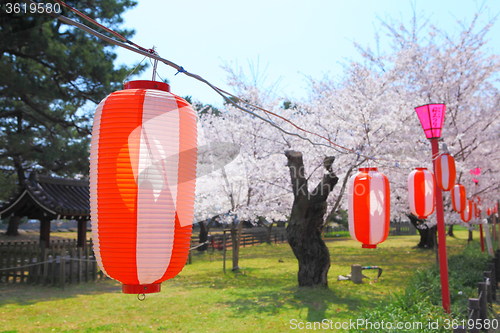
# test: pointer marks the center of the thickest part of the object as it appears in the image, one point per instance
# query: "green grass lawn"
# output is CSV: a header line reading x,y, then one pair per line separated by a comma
x,y
262,296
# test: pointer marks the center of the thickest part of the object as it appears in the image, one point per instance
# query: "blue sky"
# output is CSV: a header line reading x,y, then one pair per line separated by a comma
x,y
286,40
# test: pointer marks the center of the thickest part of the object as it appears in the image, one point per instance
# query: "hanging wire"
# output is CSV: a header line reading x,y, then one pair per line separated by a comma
x,y
125,80
152,54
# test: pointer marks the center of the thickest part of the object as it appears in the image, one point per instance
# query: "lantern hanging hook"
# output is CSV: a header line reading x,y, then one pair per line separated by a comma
x,y
445,148
155,63
141,297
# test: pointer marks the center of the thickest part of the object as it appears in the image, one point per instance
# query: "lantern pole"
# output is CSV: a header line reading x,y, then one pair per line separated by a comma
x,y
443,261
498,222
480,224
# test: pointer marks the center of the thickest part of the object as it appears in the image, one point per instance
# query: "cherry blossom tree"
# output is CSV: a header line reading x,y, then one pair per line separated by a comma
x,y
370,111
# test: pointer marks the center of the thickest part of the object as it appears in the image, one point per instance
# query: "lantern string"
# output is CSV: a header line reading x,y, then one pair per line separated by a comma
x,y
125,80
152,54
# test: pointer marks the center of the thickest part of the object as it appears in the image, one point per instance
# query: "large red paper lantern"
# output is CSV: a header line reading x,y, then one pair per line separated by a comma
x,y
369,207
142,179
466,214
445,172
458,198
421,192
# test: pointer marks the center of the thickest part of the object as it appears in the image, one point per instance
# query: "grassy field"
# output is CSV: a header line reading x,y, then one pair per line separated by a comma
x,y
262,296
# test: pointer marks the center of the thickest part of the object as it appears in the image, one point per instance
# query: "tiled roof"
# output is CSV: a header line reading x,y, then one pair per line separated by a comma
x,y
45,196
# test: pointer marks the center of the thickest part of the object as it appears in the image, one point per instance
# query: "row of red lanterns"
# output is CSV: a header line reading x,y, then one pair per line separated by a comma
x,y
368,199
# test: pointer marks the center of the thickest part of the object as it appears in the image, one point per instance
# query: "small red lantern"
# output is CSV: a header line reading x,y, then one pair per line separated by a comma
x,y
488,211
445,172
458,198
369,207
476,211
142,179
466,214
421,192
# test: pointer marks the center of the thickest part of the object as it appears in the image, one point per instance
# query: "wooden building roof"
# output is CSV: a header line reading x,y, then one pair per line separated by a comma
x,y
45,197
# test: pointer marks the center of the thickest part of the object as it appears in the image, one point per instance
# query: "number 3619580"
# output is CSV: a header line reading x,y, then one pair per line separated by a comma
x,y
33,8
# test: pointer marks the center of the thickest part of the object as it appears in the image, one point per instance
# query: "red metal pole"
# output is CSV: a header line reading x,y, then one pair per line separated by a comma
x,y
481,235
480,224
443,260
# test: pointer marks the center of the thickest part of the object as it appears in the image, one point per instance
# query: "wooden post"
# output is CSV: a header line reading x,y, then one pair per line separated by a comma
x,y
483,300
356,273
474,313
79,263
489,289
87,264
62,269
224,252
82,233
53,262
45,232
493,280
45,278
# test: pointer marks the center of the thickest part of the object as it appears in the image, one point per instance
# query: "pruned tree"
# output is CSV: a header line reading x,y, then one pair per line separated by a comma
x,y
307,221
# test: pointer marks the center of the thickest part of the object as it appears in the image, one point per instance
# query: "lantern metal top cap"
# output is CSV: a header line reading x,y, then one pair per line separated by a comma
x,y
431,117
146,84
367,169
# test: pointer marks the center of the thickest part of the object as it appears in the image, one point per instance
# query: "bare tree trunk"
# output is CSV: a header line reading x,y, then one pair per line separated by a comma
x,y
269,229
204,228
450,230
306,222
236,237
470,236
12,229
427,235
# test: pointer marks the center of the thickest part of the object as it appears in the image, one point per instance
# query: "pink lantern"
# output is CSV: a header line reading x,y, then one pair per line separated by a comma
x,y
458,198
445,172
466,214
421,192
369,207
432,118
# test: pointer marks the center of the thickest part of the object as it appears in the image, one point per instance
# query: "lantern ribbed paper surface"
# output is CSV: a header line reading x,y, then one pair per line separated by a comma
x,y
421,192
142,180
369,207
458,198
445,172
466,214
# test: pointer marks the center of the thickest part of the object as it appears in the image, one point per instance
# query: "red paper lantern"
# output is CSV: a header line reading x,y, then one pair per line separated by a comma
x,y
476,211
488,211
445,172
466,214
142,180
421,192
369,207
458,198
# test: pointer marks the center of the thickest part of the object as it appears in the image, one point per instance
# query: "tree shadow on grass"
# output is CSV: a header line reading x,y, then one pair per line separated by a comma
x,y
315,301
26,294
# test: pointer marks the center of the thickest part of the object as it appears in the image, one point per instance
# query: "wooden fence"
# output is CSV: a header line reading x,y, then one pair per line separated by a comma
x,y
216,241
61,264
479,307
